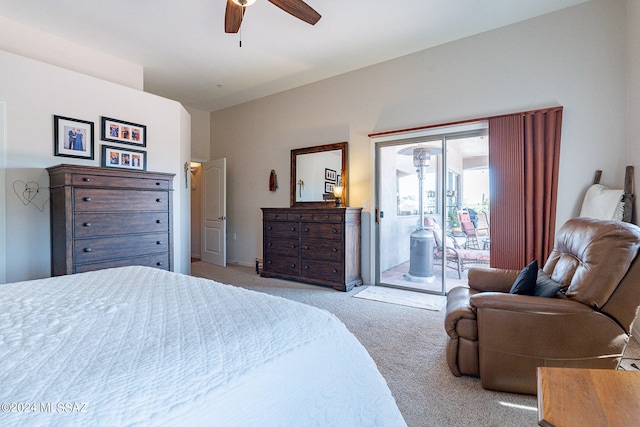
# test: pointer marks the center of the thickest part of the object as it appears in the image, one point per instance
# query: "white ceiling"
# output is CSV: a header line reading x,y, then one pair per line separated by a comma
x,y
188,57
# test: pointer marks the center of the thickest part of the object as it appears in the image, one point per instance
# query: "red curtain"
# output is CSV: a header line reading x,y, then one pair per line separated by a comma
x,y
524,154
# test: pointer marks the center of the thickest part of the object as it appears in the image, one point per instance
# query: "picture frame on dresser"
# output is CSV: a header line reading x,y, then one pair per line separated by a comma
x,y
123,158
115,130
72,138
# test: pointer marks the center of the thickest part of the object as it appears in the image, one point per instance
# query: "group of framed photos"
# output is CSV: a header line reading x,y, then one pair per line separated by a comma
x,y
331,179
74,138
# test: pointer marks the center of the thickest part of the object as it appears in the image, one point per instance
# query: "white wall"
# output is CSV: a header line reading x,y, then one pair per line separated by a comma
x,y
33,43
33,92
574,58
3,248
200,152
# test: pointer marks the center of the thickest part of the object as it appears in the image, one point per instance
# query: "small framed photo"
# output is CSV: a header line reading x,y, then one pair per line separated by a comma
x,y
123,132
72,138
328,187
124,158
330,175
340,180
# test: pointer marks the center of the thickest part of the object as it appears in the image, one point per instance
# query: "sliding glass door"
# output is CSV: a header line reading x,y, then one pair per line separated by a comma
x,y
423,189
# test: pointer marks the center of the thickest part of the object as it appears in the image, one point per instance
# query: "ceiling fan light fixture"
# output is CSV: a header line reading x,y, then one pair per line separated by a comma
x,y
244,3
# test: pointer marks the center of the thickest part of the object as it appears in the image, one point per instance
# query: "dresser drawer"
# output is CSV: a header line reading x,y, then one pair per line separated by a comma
x,y
284,230
157,260
281,265
328,271
328,216
275,216
321,231
105,224
328,250
88,180
284,247
300,216
99,200
106,248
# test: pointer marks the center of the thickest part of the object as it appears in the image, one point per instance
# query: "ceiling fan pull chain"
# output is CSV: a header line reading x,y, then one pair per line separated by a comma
x,y
240,29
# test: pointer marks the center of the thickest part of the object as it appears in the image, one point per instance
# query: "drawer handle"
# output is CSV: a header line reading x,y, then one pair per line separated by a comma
x,y
87,249
293,266
86,179
306,230
335,271
306,248
158,200
269,262
299,216
293,229
158,183
306,267
158,221
334,231
334,250
159,242
269,228
86,199
293,246
87,224
159,263
269,244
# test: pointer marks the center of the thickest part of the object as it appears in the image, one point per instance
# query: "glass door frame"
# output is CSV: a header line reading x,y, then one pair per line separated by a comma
x,y
444,134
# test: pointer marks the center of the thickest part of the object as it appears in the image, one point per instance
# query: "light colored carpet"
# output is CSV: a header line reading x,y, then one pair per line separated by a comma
x,y
408,346
403,297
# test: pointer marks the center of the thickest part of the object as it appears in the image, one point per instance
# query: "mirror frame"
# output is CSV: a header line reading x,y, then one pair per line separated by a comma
x,y
342,146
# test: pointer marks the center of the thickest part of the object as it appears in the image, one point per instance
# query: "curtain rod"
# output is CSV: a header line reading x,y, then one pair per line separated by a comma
x,y
460,122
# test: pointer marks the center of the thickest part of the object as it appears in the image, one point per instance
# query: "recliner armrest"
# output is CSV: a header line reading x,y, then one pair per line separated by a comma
x,y
492,279
527,303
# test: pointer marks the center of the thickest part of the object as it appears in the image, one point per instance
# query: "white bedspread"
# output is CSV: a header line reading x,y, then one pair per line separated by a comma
x,y
142,346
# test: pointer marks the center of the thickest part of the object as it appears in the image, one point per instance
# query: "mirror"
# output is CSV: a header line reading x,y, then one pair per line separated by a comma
x,y
314,173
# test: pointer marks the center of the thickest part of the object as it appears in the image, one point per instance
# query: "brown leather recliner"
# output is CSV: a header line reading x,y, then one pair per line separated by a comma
x,y
503,337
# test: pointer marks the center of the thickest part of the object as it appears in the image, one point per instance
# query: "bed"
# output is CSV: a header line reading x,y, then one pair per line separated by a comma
x,y
143,346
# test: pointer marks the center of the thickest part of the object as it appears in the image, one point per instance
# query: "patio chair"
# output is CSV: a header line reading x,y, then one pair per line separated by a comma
x,y
455,257
469,230
482,229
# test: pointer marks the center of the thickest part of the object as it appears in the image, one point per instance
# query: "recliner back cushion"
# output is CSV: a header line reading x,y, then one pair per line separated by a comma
x,y
591,256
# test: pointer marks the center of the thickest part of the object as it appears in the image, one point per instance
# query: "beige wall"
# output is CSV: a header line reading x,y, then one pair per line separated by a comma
x,y
575,58
633,101
32,92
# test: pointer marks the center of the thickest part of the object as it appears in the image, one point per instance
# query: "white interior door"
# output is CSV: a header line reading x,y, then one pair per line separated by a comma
x,y
214,212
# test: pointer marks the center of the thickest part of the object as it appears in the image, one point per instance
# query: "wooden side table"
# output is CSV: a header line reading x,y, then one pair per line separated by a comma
x,y
588,397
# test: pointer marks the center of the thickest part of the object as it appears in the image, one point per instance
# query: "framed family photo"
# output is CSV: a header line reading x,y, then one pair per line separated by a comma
x,y
72,138
330,175
123,132
328,187
123,158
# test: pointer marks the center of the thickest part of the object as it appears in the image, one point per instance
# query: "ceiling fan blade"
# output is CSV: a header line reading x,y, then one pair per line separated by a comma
x,y
299,9
233,17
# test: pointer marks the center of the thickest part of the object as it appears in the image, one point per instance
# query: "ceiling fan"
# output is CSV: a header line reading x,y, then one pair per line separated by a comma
x,y
298,8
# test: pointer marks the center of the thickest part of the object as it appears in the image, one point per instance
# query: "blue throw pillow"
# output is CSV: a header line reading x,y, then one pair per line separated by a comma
x,y
545,286
526,281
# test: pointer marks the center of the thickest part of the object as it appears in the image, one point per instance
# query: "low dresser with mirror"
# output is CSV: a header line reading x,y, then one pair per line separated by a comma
x,y
317,239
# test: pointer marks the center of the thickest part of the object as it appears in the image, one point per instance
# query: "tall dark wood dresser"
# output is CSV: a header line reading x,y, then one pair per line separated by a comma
x,y
313,245
102,218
